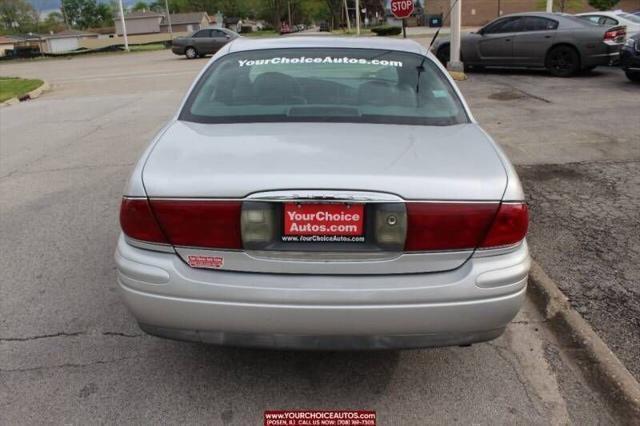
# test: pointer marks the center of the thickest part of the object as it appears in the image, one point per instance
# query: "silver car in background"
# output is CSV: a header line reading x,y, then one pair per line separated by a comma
x,y
323,193
562,44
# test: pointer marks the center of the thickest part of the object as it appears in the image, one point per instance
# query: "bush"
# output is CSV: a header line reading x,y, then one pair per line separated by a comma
x,y
386,30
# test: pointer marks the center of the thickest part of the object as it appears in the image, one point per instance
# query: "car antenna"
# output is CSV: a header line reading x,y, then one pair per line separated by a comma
x,y
435,36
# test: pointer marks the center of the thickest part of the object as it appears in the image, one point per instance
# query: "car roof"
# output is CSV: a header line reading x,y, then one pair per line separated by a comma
x,y
382,43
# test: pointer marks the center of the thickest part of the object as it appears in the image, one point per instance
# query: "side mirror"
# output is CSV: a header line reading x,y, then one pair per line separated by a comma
x,y
227,36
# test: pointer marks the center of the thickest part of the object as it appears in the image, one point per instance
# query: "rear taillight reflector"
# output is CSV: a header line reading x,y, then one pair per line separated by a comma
x,y
509,227
194,223
447,226
137,221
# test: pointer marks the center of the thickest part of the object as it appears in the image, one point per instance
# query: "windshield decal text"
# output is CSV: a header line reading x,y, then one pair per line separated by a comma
x,y
318,60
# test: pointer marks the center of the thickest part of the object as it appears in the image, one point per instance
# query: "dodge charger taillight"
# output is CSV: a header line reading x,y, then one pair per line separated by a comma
x,y
615,35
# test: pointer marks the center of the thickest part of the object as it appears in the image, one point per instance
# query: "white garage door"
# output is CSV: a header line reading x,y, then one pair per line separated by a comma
x,y
58,45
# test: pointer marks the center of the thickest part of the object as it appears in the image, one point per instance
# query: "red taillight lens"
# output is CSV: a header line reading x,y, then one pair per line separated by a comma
x,y
137,221
509,227
617,33
447,226
207,224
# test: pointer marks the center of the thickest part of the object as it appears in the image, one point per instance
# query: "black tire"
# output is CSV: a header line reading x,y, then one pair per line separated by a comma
x,y
633,76
191,52
443,54
563,61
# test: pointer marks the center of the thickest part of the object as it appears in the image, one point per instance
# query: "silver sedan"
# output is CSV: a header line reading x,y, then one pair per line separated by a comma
x,y
323,193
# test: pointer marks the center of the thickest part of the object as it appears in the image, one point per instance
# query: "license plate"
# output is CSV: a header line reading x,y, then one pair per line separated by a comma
x,y
318,222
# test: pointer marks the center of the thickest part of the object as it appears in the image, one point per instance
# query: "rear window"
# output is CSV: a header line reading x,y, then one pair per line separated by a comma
x,y
331,85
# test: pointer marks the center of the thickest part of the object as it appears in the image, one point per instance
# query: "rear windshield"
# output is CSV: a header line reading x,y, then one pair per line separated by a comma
x,y
330,85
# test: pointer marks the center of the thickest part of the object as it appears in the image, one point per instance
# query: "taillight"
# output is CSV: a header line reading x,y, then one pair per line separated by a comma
x,y
137,221
615,34
194,223
509,227
447,226
460,226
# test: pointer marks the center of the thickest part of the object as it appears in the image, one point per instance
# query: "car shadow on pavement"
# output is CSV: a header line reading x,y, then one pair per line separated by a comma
x,y
534,72
367,373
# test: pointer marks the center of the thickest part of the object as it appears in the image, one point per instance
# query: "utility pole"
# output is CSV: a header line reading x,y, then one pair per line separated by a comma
x,y
499,8
357,17
166,8
289,7
346,14
456,17
124,26
549,6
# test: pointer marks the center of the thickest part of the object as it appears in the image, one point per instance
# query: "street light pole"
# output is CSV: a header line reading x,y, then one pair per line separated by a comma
x,y
456,17
357,17
549,6
346,14
124,26
166,8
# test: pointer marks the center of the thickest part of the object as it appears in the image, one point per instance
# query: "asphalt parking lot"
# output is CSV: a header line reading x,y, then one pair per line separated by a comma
x,y
71,353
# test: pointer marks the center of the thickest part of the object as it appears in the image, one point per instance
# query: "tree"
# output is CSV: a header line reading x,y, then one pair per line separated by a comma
x,y
17,16
86,13
53,22
603,4
140,5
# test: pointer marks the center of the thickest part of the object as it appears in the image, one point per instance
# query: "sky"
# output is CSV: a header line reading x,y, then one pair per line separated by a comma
x,y
50,5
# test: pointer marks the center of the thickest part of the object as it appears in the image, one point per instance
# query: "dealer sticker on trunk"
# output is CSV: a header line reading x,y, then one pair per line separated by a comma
x,y
319,222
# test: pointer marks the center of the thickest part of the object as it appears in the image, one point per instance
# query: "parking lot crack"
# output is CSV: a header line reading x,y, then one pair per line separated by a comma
x,y
65,365
500,352
116,333
43,336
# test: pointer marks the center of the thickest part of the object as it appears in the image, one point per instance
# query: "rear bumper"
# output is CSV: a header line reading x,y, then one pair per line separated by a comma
x,y
609,57
470,304
178,50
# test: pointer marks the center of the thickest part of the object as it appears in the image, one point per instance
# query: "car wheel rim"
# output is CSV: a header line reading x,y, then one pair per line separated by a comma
x,y
191,53
562,61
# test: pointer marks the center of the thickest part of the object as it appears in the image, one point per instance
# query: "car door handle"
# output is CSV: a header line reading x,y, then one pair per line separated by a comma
x,y
547,36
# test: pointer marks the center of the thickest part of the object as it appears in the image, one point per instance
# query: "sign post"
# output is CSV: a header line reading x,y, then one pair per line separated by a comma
x,y
402,9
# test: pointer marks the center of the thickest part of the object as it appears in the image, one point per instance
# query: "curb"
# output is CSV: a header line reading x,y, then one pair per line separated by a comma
x,y
599,364
35,93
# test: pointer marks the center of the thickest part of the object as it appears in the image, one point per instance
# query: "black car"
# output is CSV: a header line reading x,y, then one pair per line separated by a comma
x,y
630,57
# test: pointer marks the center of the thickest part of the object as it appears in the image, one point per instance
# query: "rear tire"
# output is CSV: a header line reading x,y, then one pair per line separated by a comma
x,y
563,61
190,53
633,76
443,54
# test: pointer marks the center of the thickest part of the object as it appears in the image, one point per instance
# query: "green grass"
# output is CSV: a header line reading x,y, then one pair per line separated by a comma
x,y
147,47
16,87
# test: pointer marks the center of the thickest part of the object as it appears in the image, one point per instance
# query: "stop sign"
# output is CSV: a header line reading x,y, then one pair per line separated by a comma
x,y
402,8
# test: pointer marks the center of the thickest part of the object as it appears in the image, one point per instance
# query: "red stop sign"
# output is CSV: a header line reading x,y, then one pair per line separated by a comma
x,y
402,8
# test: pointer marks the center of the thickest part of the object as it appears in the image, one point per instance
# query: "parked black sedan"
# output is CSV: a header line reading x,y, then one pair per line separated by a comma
x,y
561,43
630,58
203,42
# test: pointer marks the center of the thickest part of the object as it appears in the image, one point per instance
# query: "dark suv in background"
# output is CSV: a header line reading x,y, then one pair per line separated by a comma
x,y
630,57
205,41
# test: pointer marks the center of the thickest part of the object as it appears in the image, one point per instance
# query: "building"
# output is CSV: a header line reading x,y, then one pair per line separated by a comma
x,y
6,43
184,22
64,41
144,22
476,13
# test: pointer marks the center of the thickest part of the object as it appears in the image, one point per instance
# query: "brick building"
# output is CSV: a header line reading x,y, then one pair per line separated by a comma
x,y
479,12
